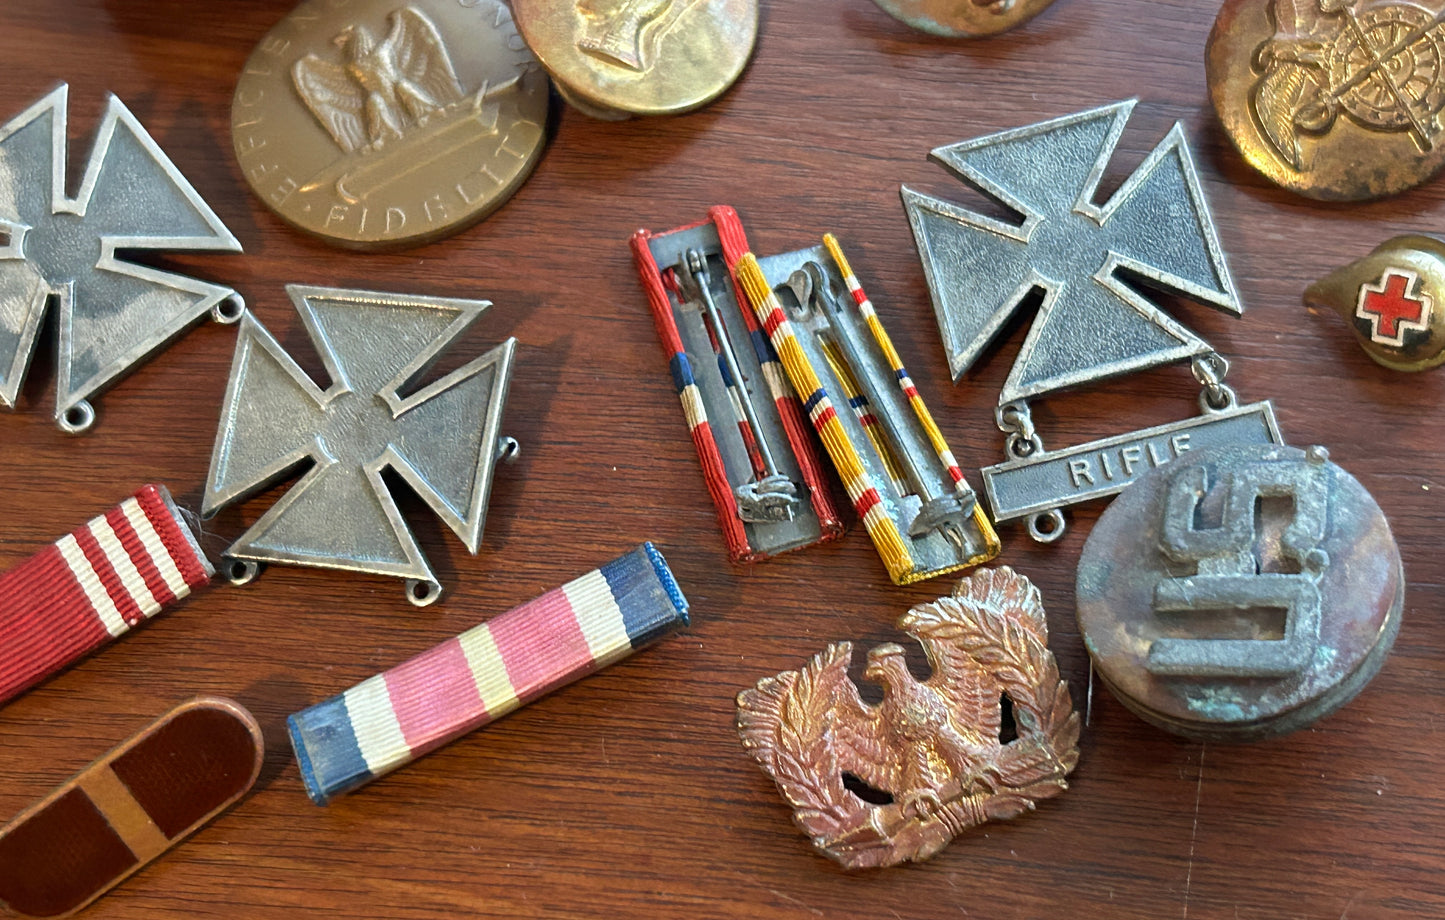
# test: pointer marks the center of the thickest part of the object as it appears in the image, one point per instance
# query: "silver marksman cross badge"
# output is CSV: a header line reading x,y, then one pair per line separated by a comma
x,y
69,254
442,438
1093,323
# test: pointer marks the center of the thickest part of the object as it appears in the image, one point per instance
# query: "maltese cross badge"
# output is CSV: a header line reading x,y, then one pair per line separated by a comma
x,y
112,314
1088,261
441,438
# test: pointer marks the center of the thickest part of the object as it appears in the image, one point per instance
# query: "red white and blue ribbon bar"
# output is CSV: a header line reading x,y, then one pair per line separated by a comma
x,y
468,681
91,586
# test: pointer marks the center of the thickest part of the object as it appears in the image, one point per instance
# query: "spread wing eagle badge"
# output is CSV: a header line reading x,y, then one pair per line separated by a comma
x,y
380,88
932,748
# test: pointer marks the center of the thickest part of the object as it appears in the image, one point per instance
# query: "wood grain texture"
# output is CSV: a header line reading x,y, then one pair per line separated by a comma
x,y
628,794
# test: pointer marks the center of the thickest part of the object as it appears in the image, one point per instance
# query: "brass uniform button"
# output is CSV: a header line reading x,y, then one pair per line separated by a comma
x,y
613,58
374,125
1392,300
964,18
1240,592
1333,99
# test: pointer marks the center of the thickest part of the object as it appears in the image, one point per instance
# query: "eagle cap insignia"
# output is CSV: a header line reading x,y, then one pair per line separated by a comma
x,y
932,747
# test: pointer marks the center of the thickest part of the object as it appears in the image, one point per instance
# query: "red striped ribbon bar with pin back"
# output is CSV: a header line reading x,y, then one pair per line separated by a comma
x,y
93,585
763,471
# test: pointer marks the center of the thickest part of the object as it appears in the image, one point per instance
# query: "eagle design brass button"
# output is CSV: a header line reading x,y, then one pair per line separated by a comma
x,y
964,18
1392,300
1334,99
640,57
1240,592
381,123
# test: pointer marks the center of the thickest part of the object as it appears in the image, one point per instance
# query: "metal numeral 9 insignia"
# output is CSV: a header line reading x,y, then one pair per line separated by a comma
x,y
1240,592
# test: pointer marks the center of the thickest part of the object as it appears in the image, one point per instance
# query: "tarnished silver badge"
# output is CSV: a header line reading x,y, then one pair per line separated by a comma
x,y
112,314
442,438
1093,323
1241,592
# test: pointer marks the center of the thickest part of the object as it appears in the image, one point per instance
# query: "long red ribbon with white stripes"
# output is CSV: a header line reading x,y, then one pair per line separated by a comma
x,y
93,585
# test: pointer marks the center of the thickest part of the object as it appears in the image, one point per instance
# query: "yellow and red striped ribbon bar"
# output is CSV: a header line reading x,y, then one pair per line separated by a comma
x,y
856,482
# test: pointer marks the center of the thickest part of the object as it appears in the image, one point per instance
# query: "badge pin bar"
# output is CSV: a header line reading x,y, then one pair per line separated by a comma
x,y
1043,482
475,678
897,469
763,473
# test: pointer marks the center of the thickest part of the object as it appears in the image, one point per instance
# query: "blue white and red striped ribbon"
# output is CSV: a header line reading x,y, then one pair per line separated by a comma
x,y
468,681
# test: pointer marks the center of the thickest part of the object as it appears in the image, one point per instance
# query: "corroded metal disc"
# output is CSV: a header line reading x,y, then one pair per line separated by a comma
x,y
1240,592
645,57
381,123
1338,101
964,18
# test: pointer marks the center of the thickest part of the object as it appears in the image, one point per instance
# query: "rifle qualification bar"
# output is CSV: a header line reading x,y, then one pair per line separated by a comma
x,y
94,585
473,679
921,513
762,469
1051,479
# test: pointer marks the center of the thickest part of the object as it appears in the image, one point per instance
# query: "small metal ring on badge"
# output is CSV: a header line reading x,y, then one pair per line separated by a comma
x,y
229,309
1210,368
1056,526
77,419
1019,447
242,571
508,450
1229,399
423,593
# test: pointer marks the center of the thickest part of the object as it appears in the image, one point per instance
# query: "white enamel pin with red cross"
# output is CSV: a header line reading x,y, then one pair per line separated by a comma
x,y
1393,306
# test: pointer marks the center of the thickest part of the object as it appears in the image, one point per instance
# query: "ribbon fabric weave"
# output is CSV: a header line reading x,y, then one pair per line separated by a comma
x,y
470,680
93,585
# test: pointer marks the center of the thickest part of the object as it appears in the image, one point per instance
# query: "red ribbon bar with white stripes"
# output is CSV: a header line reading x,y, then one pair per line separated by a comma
x,y
91,586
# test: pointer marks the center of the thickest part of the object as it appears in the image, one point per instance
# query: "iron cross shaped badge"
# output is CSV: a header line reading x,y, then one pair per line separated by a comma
x,y
1092,324
441,439
112,313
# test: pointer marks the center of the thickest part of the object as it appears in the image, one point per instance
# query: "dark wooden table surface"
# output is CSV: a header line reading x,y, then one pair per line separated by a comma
x,y
628,795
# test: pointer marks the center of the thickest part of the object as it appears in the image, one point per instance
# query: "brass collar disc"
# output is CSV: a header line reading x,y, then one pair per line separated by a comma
x,y
644,57
1335,101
